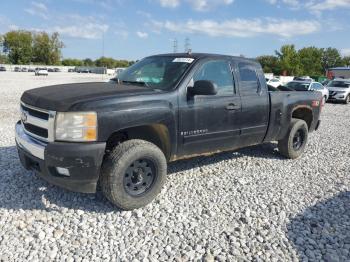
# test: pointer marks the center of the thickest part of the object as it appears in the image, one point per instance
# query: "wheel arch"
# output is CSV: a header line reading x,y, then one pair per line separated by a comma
x,y
157,134
304,113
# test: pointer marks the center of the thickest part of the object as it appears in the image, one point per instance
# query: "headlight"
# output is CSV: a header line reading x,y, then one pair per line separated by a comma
x,y
76,126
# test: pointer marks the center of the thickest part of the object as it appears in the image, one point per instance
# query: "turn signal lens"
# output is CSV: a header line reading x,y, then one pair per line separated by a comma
x,y
90,134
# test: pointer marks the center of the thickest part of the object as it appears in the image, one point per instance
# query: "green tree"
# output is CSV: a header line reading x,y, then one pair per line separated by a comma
x,y
311,61
270,64
88,62
46,48
121,63
330,58
105,62
111,63
56,46
289,60
18,46
72,62
346,61
4,59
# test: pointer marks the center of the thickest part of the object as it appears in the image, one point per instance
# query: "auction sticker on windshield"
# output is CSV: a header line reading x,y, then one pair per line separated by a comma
x,y
183,60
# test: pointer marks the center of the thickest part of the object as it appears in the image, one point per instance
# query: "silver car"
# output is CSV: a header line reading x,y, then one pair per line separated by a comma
x,y
309,86
339,90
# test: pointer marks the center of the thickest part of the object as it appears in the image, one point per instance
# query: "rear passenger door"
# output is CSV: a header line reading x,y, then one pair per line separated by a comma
x,y
254,117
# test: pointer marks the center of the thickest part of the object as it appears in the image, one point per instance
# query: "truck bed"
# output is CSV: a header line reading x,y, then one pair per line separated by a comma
x,y
281,105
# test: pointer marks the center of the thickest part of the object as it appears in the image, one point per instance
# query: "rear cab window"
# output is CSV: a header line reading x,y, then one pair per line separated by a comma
x,y
251,78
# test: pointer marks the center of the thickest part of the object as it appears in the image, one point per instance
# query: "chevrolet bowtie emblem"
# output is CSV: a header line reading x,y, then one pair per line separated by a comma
x,y
24,116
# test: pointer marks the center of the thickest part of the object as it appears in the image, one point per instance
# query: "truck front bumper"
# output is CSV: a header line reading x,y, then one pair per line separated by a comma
x,y
73,166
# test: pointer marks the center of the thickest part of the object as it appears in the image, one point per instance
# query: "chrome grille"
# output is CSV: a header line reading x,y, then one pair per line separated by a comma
x,y
38,123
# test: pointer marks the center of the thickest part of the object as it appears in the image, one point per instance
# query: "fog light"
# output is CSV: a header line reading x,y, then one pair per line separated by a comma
x,y
62,171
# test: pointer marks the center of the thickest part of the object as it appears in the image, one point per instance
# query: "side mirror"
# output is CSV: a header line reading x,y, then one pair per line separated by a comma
x,y
203,88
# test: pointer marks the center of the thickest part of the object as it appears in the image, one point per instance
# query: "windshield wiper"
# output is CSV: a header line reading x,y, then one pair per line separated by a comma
x,y
135,82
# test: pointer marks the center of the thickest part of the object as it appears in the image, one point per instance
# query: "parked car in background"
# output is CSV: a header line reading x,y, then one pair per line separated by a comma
x,y
41,72
56,70
71,70
119,71
114,80
303,78
309,86
31,69
50,70
339,90
275,82
2,69
17,69
326,82
24,69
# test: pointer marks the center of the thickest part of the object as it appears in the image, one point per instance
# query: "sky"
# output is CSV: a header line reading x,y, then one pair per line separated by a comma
x,y
133,29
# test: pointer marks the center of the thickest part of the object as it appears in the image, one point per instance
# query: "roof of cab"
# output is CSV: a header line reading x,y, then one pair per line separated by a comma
x,y
205,55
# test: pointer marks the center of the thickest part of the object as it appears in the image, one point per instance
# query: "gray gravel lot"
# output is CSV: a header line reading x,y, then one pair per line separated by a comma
x,y
249,205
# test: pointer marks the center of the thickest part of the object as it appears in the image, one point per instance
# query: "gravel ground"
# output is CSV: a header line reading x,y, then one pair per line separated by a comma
x,y
249,205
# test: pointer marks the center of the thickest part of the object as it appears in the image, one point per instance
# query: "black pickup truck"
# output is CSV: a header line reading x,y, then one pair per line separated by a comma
x,y
164,108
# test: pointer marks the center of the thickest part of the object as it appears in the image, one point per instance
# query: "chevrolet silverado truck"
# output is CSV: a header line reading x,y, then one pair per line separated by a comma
x,y
122,134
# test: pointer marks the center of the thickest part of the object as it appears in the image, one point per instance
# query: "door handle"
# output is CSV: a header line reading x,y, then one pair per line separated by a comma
x,y
232,106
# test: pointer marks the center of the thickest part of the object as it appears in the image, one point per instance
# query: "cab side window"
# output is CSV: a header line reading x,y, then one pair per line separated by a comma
x,y
218,72
248,79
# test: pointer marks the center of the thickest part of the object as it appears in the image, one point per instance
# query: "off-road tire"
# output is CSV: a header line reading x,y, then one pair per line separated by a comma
x,y
286,145
115,168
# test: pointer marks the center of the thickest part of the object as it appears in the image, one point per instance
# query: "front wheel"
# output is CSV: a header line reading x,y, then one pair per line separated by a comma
x,y
347,99
293,144
133,174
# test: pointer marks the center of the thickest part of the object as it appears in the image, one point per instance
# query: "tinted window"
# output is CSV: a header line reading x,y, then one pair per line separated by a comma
x,y
299,86
341,84
218,72
247,72
249,79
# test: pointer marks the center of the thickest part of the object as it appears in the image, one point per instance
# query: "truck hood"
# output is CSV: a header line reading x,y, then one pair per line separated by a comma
x,y
62,97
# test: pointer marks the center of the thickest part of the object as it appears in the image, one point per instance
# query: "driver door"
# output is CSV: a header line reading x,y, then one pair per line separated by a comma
x,y
209,123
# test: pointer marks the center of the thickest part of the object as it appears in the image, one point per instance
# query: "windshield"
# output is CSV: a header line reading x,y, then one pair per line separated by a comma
x,y
341,84
160,72
299,86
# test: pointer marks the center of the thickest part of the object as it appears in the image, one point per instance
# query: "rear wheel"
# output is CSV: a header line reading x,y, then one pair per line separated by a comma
x,y
293,144
133,174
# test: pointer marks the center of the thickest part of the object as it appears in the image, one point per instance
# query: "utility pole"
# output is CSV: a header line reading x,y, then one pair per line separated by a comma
x,y
187,45
175,45
103,53
103,43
